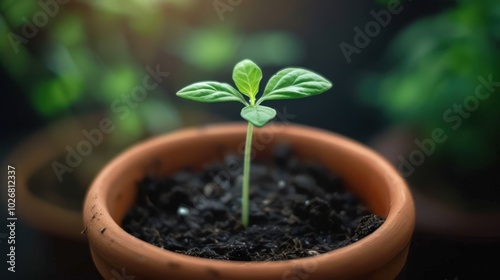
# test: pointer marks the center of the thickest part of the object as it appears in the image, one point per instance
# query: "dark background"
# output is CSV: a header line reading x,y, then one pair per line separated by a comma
x,y
319,26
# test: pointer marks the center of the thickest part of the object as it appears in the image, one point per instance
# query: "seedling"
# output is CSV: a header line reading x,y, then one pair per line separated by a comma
x,y
289,83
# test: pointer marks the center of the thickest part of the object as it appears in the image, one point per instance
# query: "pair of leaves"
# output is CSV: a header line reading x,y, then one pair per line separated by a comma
x,y
289,83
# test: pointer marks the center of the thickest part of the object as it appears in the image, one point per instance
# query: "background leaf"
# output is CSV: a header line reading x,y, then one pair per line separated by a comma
x,y
247,76
211,92
258,115
293,83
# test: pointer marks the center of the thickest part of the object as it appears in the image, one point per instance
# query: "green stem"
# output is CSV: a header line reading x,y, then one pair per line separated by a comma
x,y
246,176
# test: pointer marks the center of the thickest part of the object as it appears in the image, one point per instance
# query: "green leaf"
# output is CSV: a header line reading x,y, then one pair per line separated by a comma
x,y
211,92
293,83
247,76
258,115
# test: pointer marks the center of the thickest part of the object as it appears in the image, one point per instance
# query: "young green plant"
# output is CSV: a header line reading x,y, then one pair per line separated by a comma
x,y
289,83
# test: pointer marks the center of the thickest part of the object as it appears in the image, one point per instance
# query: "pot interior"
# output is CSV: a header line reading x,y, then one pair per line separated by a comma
x,y
356,166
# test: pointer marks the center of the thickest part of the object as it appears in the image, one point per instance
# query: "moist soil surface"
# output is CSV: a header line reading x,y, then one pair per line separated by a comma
x,y
297,209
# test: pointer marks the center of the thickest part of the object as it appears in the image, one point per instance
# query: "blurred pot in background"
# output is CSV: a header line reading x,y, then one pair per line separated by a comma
x,y
438,85
54,167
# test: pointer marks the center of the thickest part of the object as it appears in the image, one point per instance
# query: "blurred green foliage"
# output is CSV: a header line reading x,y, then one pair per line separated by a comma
x,y
74,57
435,63
222,44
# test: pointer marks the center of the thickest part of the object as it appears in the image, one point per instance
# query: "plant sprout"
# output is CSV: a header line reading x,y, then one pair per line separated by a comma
x,y
289,83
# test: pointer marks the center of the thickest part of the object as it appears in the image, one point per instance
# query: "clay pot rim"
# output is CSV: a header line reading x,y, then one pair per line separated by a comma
x,y
399,221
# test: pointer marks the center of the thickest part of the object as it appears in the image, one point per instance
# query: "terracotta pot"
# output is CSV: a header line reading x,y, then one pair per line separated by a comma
x,y
381,255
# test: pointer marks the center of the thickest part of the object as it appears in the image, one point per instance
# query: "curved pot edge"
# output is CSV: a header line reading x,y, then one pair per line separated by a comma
x,y
404,229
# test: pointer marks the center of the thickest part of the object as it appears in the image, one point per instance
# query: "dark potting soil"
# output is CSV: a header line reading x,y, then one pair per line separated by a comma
x,y
297,209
